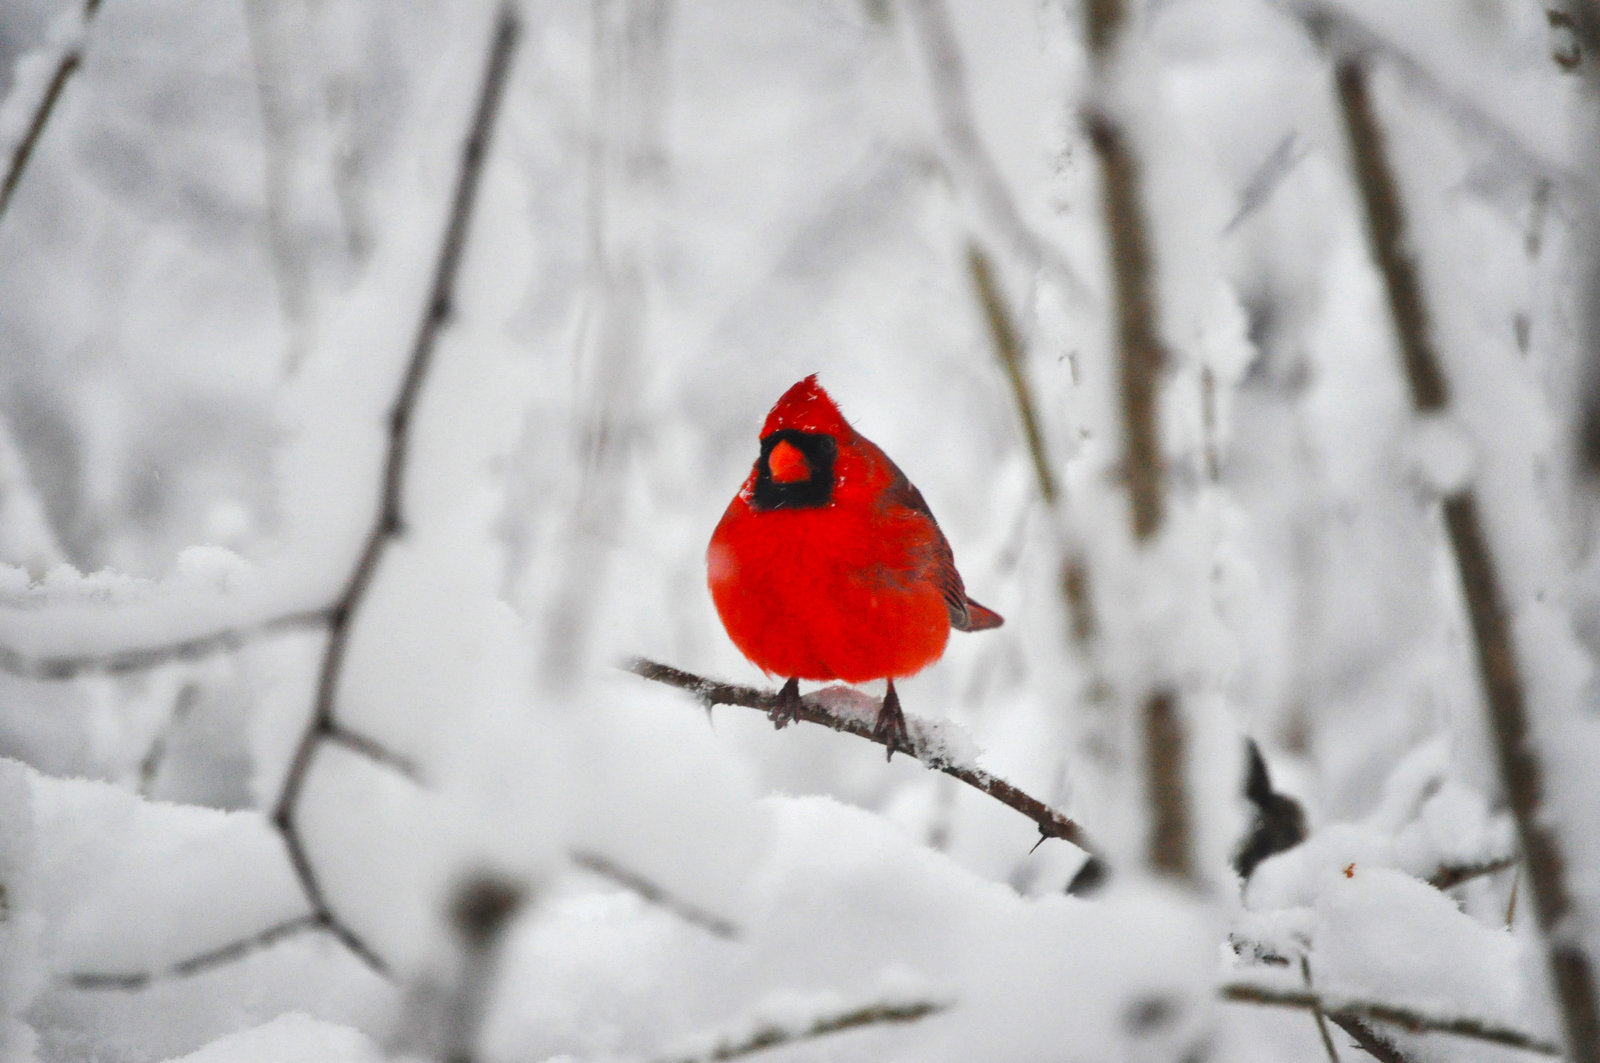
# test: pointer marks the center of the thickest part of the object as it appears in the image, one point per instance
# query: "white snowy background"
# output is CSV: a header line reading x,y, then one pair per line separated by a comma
x,y
212,272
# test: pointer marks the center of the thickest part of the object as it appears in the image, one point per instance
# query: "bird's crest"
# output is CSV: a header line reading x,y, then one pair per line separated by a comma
x,y
806,408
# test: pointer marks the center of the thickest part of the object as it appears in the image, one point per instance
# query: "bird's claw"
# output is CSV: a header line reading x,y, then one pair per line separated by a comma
x,y
891,726
786,709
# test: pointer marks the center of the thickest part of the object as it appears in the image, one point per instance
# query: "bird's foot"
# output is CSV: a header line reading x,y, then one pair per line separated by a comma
x,y
891,726
786,709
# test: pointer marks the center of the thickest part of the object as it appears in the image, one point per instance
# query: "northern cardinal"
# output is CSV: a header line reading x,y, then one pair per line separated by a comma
x,y
829,565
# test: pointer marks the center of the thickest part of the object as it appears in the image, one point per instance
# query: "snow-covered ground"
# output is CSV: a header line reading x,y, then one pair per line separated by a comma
x,y
212,275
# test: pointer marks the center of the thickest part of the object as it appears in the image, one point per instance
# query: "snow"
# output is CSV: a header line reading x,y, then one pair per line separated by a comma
x,y
214,271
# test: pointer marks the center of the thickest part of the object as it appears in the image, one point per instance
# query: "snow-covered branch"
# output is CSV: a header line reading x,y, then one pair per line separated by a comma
x,y
1411,1021
1052,824
1521,771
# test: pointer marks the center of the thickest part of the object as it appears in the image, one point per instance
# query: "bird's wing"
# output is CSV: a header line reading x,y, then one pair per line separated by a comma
x,y
965,614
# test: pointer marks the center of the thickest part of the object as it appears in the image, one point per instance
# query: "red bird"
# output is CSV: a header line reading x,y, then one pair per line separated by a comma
x,y
829,565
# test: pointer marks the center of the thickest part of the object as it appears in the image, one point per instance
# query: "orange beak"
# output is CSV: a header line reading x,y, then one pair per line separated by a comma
x,y
788,465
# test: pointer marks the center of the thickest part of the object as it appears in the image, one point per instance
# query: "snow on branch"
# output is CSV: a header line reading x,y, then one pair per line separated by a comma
x,y
67,63
773,1035
813,709
1521,772
1411,1021
324,726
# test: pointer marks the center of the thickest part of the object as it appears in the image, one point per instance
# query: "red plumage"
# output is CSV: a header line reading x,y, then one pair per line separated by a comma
x,y
829,565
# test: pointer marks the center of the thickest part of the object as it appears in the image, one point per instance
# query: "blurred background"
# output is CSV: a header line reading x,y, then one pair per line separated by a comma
x,y
219,234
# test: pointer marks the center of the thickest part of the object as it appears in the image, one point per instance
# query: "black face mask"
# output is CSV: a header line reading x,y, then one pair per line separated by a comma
x,y
815,490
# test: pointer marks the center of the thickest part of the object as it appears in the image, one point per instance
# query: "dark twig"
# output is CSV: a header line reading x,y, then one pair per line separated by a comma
x,y
1052,824
71,59
1389,1014
205,961
1520,770
388,523
1450,876
654,893
766,1037
1369,1040
71,666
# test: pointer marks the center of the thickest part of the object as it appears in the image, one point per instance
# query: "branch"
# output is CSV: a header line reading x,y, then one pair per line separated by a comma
x,y
66,66
388,524
1009,348
1389,1014
1170,848
1052,824
653,893
1521,773
115,662
948,77
205,961
1450,876
772,1036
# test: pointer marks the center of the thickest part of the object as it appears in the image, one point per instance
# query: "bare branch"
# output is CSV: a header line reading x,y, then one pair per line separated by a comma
x,y
655,894
115,662
766,1037
66,66
1052,824
1450,876
1520,770
948,77
205,961
1389,1014
1370,1041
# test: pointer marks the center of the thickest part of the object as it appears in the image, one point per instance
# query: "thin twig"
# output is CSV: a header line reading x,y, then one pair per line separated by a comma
x,y
1008,346
1405,1018
1520,770
1369,1040
1052,824
766,1037
205,961
948,78
66,66
653,893
1450,876
70,666
1317,1013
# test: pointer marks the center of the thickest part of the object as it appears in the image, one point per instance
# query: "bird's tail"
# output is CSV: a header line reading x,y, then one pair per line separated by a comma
x,y
982,618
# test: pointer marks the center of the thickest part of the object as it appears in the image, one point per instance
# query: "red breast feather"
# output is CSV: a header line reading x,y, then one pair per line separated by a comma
x,y
863,587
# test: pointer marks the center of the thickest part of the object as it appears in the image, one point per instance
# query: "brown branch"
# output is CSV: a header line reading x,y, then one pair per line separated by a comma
x,y
1520,770
1052,824
1141,357
1009,348
1388,1014
66,66
1450,876
1369,1040
480,914
115,662
1166,779
766,1037
653,893
1317,1013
